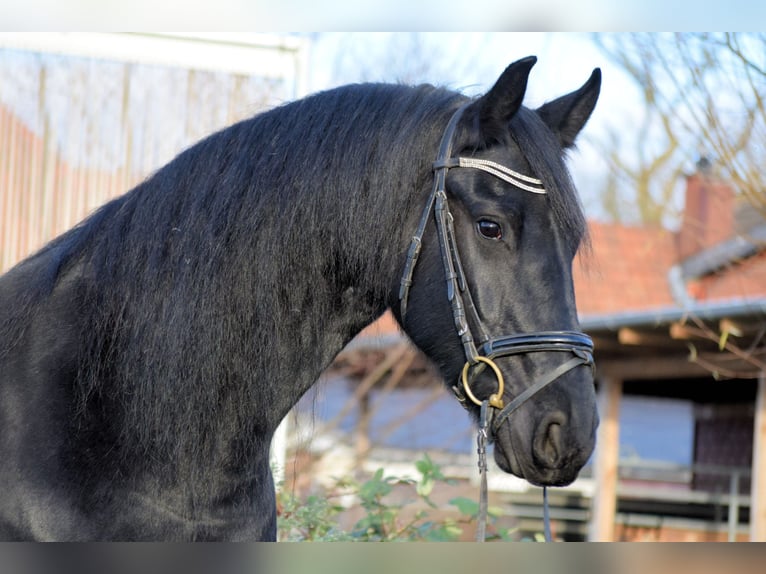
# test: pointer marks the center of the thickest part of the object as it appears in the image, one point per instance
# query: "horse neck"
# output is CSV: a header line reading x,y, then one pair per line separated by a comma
x,y
223,346
352,248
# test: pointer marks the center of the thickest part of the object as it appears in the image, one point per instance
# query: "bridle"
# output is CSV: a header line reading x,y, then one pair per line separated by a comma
x,y
483,353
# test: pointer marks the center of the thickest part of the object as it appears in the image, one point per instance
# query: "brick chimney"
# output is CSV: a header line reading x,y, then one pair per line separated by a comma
x,y
708,216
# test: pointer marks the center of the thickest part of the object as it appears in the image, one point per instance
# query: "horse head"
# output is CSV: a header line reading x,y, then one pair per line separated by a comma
x,y
500,230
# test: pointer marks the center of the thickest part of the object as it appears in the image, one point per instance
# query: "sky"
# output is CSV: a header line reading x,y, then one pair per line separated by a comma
x,y
361,15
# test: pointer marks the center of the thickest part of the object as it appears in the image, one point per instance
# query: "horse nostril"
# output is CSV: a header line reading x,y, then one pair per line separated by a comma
x,y
547,447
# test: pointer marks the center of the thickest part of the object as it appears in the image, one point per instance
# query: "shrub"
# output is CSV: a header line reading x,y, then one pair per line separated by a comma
x,y
315,517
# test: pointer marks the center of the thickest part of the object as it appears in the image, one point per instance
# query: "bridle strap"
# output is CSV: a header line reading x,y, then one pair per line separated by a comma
x,y
455,281
482,439
539,385
461,301
520,180
575,342
546,516
535,342
440,175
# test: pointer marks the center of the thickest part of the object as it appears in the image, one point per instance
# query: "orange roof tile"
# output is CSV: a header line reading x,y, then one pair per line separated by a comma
x,y
742,280
385,325
626,271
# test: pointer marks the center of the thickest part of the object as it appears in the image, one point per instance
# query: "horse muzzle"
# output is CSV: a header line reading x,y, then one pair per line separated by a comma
x,y
548,450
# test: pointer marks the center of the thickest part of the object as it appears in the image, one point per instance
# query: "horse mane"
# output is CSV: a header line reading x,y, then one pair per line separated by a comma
x,y
202,281
539,145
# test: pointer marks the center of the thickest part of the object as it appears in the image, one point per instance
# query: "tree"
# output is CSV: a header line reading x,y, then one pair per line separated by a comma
x,y
702,96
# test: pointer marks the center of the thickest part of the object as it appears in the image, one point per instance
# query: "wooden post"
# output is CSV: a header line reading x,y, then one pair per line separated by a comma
x,y
278,453
363,443
758,484
604,503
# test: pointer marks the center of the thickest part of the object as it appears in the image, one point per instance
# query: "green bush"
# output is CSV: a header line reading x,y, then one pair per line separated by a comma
x,y
315,517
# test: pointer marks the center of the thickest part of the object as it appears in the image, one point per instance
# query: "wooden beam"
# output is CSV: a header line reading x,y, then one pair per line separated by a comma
x,y
605,466
684,332
605,344
648,368
758,482
629,336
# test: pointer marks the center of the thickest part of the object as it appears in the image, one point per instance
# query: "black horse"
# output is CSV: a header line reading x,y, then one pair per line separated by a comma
x,y
148,354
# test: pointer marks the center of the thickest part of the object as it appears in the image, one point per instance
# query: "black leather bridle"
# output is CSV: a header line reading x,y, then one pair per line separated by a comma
x,y
576,343
465,314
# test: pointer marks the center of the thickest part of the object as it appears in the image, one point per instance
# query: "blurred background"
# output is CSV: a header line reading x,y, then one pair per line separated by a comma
x,y
673,293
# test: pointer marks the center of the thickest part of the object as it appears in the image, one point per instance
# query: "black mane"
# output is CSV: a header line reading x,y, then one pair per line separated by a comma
x,y
177,306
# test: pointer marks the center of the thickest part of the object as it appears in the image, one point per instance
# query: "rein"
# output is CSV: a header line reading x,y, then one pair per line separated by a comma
x,y
465,314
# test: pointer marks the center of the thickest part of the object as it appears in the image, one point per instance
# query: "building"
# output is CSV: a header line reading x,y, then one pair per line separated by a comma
x,y
85,117
682,315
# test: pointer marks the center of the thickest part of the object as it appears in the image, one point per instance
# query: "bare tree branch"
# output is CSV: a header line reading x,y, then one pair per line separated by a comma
x,y
703,94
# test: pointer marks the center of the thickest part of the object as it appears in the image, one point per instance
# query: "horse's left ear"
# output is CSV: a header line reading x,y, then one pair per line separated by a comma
x,y
568,114
496,108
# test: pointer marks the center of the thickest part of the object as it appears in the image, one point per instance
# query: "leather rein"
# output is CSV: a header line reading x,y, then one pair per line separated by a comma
x,y
482,355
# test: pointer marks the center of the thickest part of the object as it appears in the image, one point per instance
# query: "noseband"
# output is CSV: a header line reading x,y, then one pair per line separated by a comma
x,y
464,312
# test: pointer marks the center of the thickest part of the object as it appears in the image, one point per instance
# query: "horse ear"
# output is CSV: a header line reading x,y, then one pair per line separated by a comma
x,y
568,114
496,108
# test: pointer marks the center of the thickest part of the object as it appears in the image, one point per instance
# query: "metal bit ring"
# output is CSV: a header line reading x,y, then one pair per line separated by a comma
x,y
495,400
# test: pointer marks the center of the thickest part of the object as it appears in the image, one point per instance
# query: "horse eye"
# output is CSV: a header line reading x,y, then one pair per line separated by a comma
x,y
489,229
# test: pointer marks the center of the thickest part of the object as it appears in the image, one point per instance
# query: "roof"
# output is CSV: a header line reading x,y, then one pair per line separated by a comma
x,y
626,270
745,278
638,269
658,306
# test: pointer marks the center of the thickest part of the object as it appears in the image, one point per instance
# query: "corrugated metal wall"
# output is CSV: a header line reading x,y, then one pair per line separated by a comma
x,y
77,131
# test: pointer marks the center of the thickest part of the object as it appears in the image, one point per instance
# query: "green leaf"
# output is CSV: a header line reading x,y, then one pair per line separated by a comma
x,y
505,534
494,511
722,340
425,465
449,531
465,506
375,488
425,486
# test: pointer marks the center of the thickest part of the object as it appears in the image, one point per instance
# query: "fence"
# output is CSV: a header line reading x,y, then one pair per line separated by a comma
x,y
84,117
